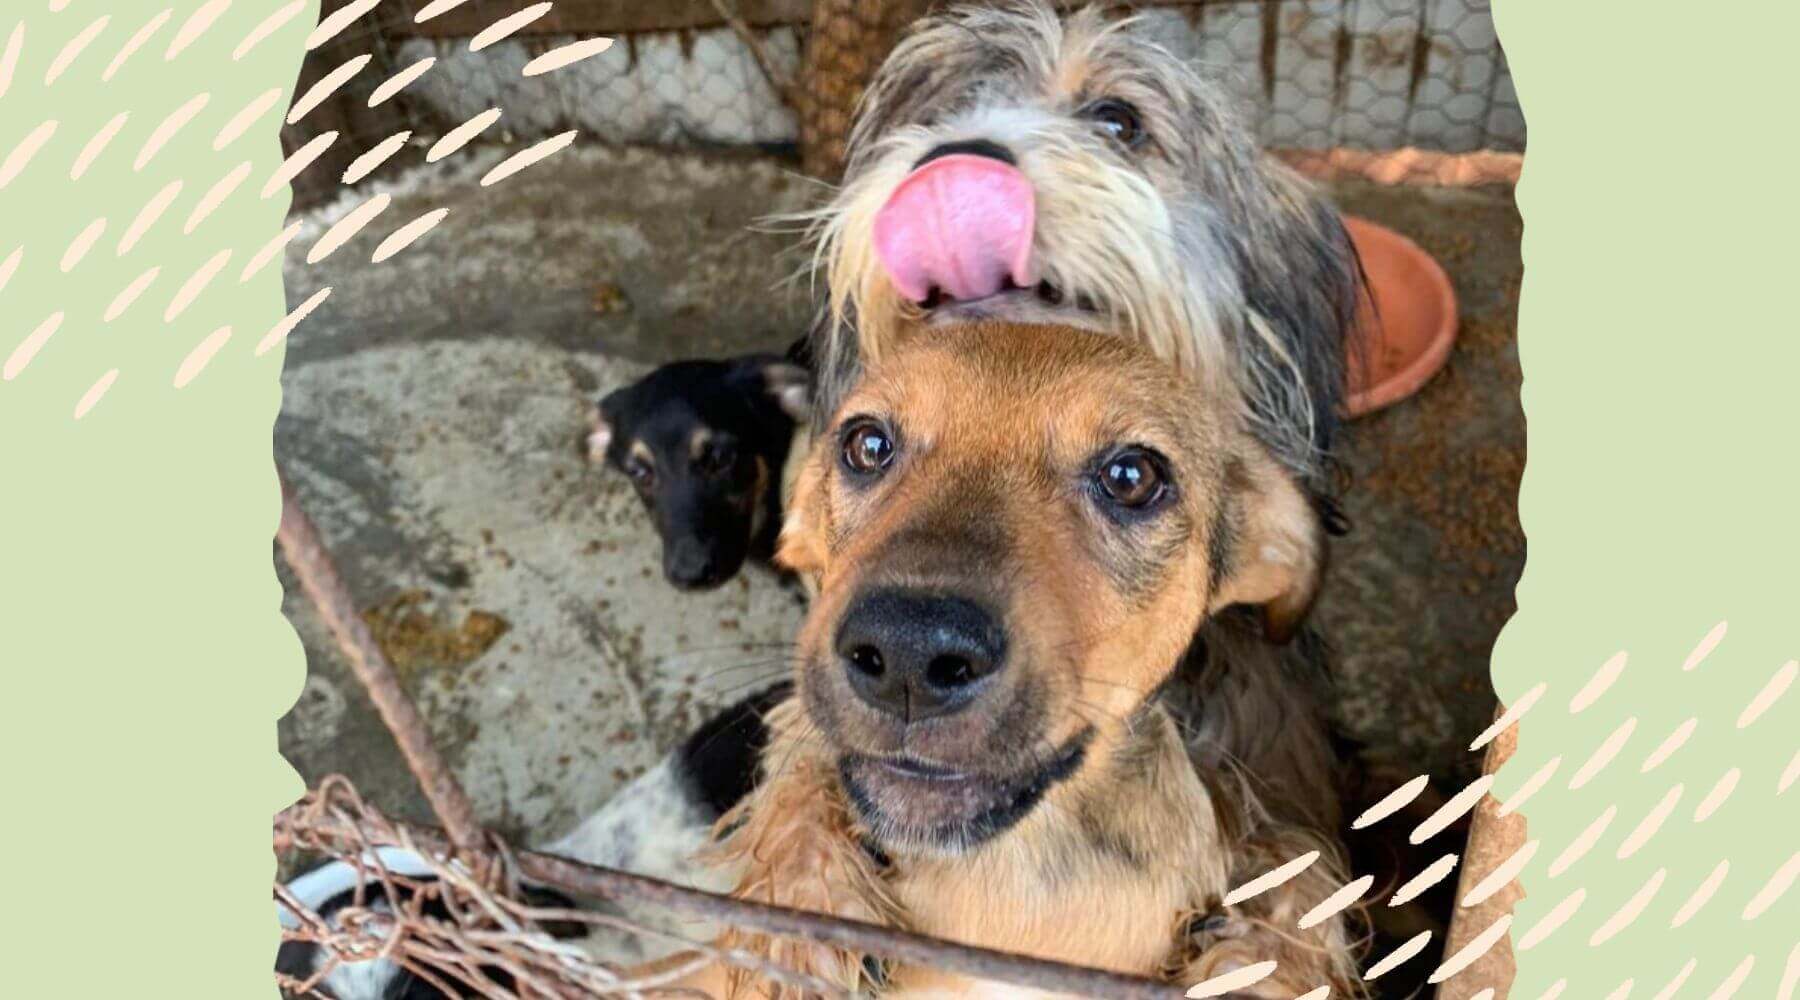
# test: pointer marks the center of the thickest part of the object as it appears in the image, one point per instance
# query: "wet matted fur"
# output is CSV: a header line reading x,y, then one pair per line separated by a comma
x,y
1043,800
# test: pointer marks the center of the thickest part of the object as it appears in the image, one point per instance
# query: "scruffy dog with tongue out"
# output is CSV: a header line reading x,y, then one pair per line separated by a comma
x,y
1008,164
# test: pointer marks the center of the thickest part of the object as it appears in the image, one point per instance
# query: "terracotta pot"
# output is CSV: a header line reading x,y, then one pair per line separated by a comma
x,y
1408,333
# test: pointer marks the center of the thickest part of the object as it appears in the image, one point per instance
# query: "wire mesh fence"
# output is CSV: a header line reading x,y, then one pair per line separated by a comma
x,y
1330,83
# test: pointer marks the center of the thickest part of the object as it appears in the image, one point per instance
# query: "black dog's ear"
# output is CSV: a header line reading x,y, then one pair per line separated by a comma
x,y
600,427
800,352
790,386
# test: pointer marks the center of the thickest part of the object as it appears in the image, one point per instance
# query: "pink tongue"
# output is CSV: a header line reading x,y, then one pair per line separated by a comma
x,y
960,223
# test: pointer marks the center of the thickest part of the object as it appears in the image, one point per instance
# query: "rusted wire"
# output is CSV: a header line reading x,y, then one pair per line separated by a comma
x,y
327,821
486,931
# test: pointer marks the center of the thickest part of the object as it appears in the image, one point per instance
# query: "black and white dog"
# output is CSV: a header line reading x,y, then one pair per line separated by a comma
x,y
706,445
655,826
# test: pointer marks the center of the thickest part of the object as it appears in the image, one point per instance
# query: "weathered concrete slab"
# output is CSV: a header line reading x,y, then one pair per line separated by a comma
x,y
432,420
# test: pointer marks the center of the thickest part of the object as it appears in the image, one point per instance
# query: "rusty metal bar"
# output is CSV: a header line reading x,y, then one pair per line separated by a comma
x,y
886,942
306,554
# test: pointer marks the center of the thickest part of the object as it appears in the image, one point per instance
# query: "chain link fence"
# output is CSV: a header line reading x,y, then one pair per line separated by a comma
x,y
1337,84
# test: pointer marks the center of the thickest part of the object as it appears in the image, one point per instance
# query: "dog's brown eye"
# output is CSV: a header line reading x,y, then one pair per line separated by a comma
x,y
1118,120
867,449
641,473
1132,479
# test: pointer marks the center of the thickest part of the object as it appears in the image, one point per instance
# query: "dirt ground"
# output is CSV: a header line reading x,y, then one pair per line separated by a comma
x,y
1422,585
434,405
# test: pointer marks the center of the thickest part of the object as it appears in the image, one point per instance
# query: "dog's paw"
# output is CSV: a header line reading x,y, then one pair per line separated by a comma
x,y
1222,970
1210,929
1224,945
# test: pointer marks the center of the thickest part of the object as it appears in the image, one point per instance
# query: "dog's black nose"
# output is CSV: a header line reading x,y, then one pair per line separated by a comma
x,y
917,655
690,563
971,147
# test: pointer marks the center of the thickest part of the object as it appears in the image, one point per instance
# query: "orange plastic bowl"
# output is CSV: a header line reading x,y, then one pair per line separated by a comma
x,y
1407,335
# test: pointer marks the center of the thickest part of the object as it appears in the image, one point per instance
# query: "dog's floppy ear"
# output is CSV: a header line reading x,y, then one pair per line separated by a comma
x,y
600,428
1272,553
801,547
790,386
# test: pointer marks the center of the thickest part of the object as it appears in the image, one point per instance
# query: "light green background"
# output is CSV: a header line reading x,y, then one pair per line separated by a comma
x,y
146,658
1662,481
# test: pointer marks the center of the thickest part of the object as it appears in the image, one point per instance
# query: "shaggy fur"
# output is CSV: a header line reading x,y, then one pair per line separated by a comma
x,y
1190,240
1058,811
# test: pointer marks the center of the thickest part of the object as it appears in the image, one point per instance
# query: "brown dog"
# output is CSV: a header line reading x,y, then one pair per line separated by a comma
x,y
1015,532
1017,161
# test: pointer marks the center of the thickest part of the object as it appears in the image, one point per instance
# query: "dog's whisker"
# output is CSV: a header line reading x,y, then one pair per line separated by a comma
x,y
746,690
1121,685
744,687
773,661
1105,714
691,657
697,655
